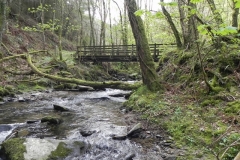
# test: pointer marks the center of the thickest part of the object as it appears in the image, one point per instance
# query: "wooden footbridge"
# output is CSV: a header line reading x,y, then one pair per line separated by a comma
x,y
116,53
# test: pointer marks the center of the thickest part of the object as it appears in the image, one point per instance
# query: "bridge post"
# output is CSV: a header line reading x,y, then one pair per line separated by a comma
x,y
84,48
155,51
112,50
132,50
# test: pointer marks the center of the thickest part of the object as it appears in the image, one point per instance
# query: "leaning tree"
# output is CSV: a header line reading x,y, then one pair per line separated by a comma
x,y
149,75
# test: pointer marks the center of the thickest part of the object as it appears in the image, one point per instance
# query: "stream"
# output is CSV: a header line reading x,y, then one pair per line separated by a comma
x,y
93,118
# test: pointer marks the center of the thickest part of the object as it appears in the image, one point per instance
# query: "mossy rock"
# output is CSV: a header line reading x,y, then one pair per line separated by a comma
x,y
185,57
5,91
61,152
14,149
233,107
51,120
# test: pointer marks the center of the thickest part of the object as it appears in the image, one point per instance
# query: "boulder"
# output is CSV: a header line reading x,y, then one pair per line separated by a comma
x,y
60,108
32,121
130,156
87,133
34,148
118,95
119,137
51,120
21,99
135,131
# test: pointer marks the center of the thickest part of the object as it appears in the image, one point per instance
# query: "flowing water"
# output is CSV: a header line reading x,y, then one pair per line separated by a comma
x,y
96,112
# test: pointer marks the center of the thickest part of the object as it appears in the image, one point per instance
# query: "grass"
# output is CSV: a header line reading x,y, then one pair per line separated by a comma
x,y
200,124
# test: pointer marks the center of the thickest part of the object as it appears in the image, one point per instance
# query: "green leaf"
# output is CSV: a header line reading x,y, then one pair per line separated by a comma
x,y
237,4
202,29
139,12
196,1
159,15
224,31
171,4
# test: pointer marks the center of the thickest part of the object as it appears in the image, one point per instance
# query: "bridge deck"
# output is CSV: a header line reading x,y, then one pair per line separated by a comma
x,y
115,53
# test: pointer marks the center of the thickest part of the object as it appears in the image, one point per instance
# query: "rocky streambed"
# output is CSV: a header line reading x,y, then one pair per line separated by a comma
x,y
85,125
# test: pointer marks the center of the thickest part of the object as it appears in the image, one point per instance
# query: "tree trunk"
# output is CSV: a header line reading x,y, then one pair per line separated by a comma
x,y
149,75
110,23
125,32
215,12
121,22
109,84
172,25
60,30
183,23
42,3
3,4
235,14
186,22
91,19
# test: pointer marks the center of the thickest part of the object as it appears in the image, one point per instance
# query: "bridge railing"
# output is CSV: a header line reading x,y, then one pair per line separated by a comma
x,y
117,50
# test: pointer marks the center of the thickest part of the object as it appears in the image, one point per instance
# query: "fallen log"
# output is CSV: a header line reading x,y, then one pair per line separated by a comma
x,y
94,84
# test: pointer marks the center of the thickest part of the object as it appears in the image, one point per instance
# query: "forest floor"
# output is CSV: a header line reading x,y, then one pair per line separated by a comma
x,y
205,123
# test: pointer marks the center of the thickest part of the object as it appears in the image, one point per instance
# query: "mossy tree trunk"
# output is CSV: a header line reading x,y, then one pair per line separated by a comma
x,y
107,84
2,18
235,14
149,75
215,12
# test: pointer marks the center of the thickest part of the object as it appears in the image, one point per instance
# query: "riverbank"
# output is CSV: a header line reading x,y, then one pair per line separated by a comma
x,y
204,126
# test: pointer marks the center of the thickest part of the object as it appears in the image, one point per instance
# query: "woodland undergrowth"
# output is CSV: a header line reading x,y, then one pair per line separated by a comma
x,y
205,121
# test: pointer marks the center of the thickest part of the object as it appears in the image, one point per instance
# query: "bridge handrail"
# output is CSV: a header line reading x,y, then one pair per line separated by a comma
x,y
118,48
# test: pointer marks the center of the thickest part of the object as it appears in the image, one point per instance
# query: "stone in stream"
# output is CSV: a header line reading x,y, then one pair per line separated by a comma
x,y
87,133
60,108
117,95
34,148
1,103
127,95
101,98
119,137
32,121
51,120
135,131
21,99
130,156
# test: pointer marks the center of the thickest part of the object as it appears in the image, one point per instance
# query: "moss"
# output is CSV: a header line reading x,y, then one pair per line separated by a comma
x,y
14,148
233,107
51,120
61,152
38,88
5,91
185,57
210,102
22,87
